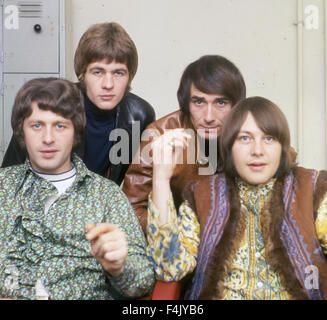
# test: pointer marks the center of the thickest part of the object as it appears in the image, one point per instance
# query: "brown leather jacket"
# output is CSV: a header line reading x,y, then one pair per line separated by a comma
x,y
138,179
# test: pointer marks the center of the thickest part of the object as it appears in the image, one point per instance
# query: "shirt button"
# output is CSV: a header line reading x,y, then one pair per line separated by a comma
x,y
260,284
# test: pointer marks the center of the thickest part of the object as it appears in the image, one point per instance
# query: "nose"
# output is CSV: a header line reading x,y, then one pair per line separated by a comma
x,y
107,81
257,147
48,136
209,114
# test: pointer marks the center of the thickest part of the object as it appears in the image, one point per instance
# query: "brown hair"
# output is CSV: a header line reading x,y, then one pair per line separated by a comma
x,y
211,74
57,95
105,41
269,118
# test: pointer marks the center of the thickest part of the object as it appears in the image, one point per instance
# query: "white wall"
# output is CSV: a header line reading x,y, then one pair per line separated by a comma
x,y
279,58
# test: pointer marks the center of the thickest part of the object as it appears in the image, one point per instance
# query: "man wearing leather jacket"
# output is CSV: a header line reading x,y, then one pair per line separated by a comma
x,y
209,87
105,63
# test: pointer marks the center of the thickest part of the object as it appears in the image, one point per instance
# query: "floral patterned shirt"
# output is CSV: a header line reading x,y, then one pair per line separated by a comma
x,y
251,277
52,247
173,247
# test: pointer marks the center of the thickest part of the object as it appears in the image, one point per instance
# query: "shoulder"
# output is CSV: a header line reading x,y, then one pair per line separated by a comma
x,y
96,182
103,189
11,171
307,179
211,180
132,109
198,188
171,121
301,172
137,104
10,176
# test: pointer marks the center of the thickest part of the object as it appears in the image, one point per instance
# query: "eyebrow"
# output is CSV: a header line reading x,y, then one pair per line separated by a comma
x,y
197,98
103,69
203,98
65,121
96,68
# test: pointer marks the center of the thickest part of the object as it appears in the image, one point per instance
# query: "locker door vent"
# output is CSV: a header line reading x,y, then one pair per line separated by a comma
x,y
30,9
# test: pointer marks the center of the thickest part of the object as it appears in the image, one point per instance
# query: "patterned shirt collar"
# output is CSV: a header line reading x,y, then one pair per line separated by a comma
x,y
260,189
27,171
254,197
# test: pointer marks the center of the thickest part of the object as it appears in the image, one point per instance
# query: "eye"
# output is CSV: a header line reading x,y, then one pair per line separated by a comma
x,y
120,73
198,102
270,138
60,126
97,72
221,102
244,138
36,126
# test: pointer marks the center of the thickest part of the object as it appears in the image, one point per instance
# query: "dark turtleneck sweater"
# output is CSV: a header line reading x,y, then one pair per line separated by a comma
x,y
99,124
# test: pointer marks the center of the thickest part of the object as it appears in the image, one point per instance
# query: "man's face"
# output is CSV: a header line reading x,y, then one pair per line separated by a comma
x,y
106,83
49,141
256,155
208,112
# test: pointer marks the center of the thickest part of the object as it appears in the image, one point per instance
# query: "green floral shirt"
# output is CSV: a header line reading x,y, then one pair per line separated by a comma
x,y
52,247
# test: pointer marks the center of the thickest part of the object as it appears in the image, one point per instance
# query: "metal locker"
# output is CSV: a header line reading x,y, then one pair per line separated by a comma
x,y
32,46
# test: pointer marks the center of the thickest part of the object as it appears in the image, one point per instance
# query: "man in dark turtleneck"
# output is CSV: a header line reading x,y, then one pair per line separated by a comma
x,y
97,144
105,63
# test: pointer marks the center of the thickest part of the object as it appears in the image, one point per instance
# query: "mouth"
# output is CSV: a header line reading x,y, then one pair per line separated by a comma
x,y
48,154
107,97
257,166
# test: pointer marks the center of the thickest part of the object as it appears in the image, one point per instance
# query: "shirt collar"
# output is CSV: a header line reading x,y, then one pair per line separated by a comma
x,y
254,197
27,171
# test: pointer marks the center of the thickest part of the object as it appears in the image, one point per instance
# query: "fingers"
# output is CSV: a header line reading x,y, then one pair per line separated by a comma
x,y
89,227
109,246
171,139
108,242
168,147
94,231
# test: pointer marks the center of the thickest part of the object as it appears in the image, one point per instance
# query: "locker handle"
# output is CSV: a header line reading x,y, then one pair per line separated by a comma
x,y
37,28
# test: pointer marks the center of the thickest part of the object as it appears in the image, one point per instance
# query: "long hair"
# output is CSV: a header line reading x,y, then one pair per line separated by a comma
x,y
269,118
